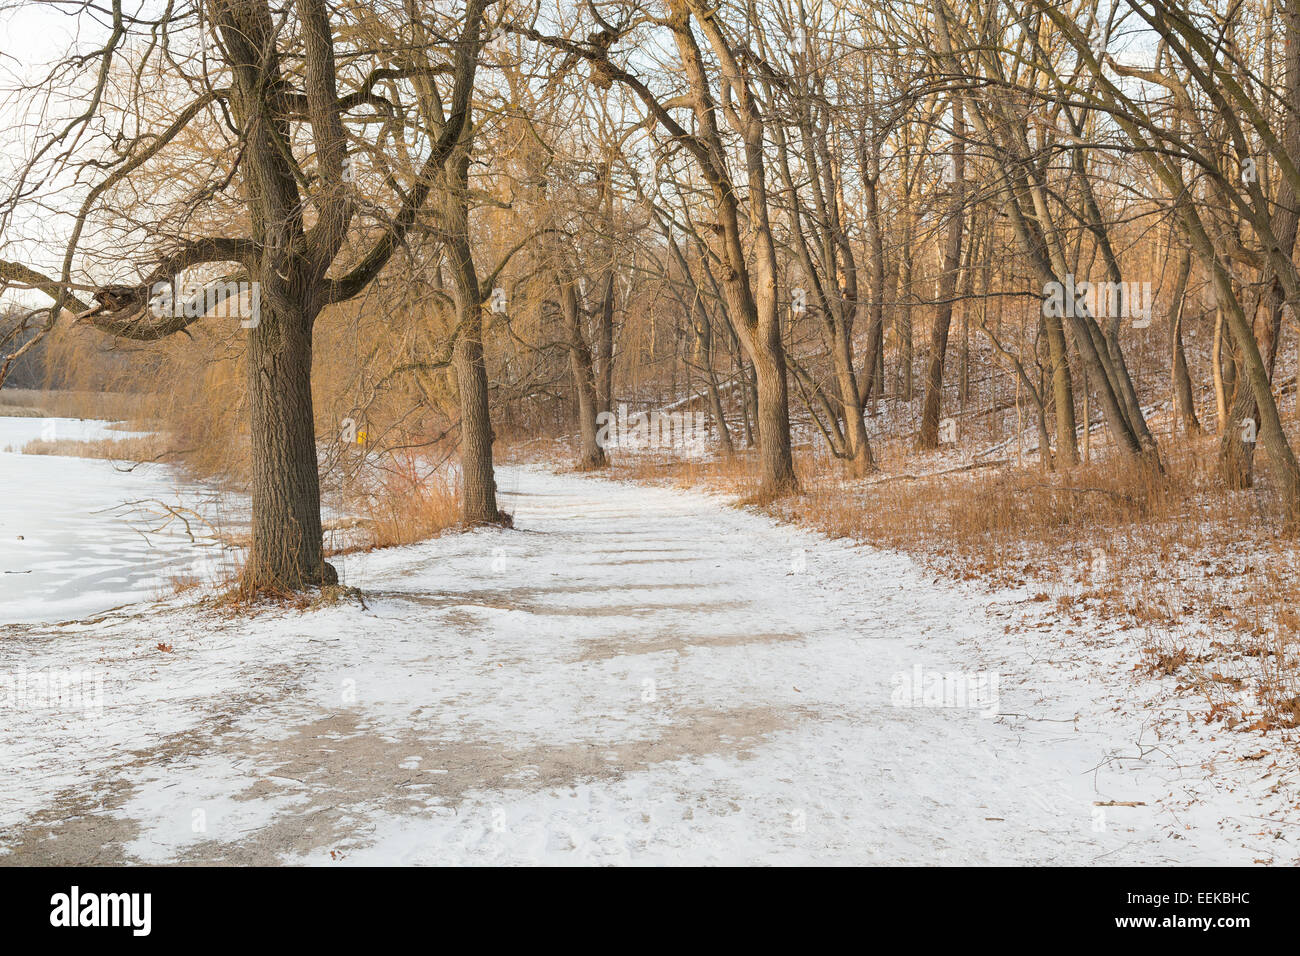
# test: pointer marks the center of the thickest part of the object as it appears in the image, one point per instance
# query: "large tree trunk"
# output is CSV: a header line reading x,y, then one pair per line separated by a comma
x,y
478,502
1067,445
286,552
478,498
762,341
776,461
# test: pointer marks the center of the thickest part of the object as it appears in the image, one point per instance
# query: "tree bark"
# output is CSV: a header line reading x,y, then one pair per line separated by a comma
x,y
1184,401
286,551
591,455
929,436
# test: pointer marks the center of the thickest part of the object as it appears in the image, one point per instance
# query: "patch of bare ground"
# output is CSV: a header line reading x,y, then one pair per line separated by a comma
x,y
338,772
680,643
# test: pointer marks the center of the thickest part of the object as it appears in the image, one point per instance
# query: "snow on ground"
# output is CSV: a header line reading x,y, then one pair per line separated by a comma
x,y
70,539
632,675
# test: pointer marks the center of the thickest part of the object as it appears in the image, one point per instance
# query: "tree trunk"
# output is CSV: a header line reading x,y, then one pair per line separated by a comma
x,y
711,383
1067,446
749,400
478,503
860,461
930,412
286,552
1236,452
1184,401
906,357
605,346
929,437
605,318
776,461
590,456
1218,371
871,366
719,416
1087,420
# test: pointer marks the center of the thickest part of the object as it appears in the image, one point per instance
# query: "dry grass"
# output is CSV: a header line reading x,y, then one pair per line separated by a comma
x,y
58,403
404,503
184,582
135,448
240,602
738,474
226,594
413,514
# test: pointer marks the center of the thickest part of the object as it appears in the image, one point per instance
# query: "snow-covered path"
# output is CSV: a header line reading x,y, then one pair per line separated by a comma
x,y
634,675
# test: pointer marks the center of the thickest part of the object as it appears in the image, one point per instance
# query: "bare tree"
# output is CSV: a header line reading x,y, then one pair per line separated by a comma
x,y
270,85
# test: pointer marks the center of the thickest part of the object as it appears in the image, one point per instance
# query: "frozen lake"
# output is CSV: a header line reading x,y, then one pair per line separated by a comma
x,y
77,534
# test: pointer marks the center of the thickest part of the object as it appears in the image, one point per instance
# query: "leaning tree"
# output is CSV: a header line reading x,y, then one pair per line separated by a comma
x,y
713,108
